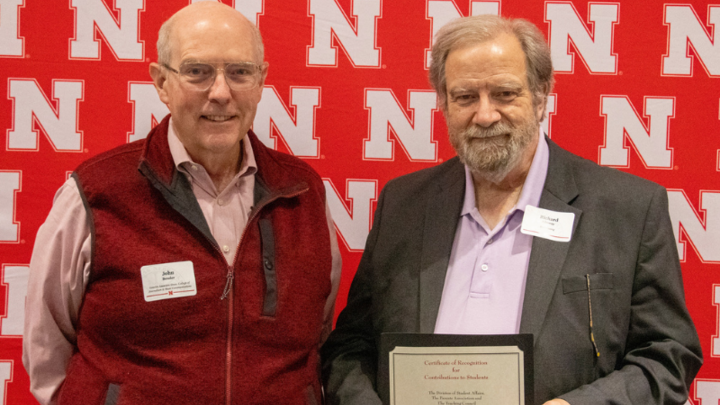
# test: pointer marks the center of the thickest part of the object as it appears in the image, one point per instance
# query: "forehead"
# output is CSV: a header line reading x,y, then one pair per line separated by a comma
x,y
225,39
500,58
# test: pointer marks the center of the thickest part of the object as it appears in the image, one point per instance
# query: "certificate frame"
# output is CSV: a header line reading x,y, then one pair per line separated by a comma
x,y
389,341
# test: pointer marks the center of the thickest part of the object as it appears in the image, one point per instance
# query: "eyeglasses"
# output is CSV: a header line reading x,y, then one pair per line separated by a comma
x,y
201,76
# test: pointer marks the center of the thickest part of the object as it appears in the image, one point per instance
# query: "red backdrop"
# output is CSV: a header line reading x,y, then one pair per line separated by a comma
x,y
637,89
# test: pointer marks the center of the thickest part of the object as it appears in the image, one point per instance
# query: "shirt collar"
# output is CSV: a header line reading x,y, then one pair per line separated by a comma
x,y
182,158
532,189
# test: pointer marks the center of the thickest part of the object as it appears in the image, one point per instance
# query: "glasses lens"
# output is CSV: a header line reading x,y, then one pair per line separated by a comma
x,y
240,75
197,73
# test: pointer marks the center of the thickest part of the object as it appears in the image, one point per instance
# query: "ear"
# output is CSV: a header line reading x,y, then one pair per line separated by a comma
x,y
263,73
263,76
442,102
159,77
540,107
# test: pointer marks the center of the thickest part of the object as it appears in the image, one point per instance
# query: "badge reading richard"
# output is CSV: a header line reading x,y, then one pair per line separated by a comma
x,y
168,280
552,225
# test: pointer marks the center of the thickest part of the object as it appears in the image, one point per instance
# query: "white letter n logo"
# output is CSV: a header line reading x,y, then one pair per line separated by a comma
x,y
358,42
685,30
31,105
595,48
652,144
122,35
415,133
11,43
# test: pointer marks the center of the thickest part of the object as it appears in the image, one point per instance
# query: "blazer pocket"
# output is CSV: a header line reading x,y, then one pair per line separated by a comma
x,y
598,281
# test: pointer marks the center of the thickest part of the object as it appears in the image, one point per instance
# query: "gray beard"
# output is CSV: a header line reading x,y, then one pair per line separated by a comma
x,y
492,159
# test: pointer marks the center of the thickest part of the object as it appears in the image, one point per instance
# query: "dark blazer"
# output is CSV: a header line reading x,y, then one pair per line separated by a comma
x,y
622,237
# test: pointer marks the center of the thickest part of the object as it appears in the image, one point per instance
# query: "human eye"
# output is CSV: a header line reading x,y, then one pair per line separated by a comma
x,y
196,72
506,94
239,71
464,98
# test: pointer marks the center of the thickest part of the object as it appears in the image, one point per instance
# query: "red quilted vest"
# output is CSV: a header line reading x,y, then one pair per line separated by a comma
x,y
259,345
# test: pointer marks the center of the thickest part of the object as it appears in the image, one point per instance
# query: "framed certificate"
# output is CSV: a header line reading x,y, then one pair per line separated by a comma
x,y
429,369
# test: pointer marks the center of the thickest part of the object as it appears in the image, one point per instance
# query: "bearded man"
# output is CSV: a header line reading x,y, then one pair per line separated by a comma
x,y
453,249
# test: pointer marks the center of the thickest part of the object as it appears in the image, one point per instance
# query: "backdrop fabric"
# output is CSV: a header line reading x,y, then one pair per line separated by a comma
x,y
347,91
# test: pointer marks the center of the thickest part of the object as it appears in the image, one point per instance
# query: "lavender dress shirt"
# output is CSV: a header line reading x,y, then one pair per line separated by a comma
x,y
485,280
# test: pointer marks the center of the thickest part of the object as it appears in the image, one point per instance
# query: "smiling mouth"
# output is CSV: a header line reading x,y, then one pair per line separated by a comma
x,y
218,118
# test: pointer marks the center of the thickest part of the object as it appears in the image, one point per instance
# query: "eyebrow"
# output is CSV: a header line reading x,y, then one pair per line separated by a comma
x,y
211,62
510,84
460,90
503,85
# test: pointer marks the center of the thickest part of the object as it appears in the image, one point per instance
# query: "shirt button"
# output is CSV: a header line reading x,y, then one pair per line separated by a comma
x,y
221,201
226,248
484,267
194,167
490,241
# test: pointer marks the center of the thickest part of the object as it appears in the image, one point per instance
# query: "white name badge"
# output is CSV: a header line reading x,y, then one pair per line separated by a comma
x,y
547,224
168,280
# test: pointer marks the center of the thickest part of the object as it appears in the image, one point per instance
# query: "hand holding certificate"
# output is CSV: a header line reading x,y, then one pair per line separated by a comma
x,y
455,369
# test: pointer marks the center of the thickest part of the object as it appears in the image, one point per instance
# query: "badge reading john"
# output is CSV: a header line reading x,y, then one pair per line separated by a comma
x,y
168,280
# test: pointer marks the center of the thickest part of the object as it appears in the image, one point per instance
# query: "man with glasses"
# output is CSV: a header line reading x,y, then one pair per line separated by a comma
x,y
196,266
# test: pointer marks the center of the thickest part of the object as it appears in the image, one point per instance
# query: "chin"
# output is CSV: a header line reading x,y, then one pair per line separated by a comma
x,y
222,140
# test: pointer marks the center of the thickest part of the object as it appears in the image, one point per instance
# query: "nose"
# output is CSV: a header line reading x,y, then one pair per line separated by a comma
x,y
220,90
486,112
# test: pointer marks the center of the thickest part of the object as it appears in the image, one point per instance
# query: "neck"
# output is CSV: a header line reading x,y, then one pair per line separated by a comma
x,y
221,167
494,200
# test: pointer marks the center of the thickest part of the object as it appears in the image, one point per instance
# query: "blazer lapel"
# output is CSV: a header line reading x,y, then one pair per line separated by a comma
x,y
441,218
547,257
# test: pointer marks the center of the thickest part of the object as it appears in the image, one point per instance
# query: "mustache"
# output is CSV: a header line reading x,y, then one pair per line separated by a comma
x,y
479,132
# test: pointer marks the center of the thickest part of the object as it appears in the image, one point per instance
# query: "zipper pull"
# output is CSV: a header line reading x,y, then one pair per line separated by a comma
x,y
228,284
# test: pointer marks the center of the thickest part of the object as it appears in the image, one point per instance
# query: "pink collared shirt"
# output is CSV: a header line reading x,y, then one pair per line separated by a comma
x,y
60,263
226,212
485,281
